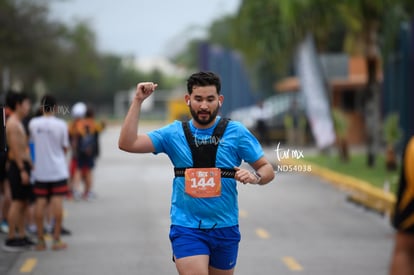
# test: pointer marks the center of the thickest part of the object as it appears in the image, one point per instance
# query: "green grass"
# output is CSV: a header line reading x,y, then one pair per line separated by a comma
x,y
356,167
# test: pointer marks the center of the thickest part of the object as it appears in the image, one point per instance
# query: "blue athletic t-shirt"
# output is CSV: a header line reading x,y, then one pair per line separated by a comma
x,y
236,145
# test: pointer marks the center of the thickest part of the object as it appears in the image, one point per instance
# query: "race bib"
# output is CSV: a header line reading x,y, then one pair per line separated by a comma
x,y
203,182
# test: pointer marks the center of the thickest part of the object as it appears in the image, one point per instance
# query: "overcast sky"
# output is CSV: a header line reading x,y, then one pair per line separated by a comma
x,y
144,28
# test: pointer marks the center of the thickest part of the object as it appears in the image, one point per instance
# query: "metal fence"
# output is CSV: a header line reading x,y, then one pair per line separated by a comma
x,y
398,90
235,85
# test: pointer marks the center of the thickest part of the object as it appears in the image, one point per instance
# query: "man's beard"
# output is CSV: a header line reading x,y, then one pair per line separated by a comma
x,y
204,121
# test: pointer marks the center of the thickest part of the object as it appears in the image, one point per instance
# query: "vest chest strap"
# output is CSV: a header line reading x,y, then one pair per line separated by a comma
x,y
225,172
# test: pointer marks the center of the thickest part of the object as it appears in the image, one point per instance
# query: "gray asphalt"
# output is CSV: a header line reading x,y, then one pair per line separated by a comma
x,y
297,224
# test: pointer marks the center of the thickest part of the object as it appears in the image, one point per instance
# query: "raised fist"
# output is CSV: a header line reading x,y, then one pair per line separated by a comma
x,y
144,90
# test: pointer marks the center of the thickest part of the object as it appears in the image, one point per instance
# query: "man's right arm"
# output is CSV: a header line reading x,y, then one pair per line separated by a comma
x,y
17,149
129,139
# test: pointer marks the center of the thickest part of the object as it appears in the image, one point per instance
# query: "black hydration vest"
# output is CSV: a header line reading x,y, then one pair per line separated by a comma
x,y
204,152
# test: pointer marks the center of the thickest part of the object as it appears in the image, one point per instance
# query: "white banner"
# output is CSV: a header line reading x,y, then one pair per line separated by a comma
x,y
316,96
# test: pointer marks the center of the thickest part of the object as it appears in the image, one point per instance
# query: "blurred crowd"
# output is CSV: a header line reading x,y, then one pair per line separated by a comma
x,y
48,160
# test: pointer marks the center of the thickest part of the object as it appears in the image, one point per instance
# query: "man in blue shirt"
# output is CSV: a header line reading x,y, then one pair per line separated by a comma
x,y
206,153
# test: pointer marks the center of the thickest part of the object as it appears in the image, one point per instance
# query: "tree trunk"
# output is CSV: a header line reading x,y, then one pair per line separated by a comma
x,y
343,149
372,103
390,158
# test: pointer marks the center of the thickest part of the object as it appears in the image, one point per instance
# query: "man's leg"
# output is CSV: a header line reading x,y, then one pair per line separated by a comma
x,y
15,217
30,218
57,207
88,181
21,220
75,183
13,243
41,203
199,265
215,271
403,257
6,201
193,265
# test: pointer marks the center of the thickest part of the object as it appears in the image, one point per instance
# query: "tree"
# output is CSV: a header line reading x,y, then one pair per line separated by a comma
x,y
392,135
366,22
77,67
341,130
273,29
34,48
64,59
27,40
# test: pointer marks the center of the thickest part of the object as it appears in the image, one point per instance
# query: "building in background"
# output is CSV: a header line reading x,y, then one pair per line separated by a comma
x,y
346,78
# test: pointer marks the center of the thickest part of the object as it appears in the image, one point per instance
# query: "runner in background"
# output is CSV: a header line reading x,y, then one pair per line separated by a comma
x,y
5,193
78,112
18,172
88,150
85,147
51,141
403,220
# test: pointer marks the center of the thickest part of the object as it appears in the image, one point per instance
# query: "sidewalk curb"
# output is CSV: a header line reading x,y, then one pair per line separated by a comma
x,y
360,191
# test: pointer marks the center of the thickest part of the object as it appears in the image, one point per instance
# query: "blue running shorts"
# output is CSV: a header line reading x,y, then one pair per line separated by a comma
x,y
221,244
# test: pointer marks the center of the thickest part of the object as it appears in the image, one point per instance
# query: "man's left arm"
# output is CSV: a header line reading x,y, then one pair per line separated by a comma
x,y
65,139
263,173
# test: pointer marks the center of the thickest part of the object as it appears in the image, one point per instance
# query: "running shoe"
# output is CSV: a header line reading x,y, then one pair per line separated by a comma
x,y
90,196
31,229
65,232
4,227
77,195
48,229
59,245
27,241
14,245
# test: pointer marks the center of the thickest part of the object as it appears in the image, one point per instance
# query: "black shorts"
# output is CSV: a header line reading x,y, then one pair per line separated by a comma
x,y
19,191
3,160
47,189
86,162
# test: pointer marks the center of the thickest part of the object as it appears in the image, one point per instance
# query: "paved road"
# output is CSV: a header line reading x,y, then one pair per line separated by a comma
x,y
295,225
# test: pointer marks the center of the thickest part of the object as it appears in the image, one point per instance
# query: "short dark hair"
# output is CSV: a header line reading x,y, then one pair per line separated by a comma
x,y
13,98
48,103
90,113
203,79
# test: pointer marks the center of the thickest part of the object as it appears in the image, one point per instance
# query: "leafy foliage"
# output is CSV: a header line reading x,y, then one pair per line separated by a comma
x,y
392,130
340,123
65,59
